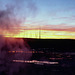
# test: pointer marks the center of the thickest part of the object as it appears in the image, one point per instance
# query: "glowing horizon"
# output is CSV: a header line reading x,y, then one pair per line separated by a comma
x,y
44,19
42,34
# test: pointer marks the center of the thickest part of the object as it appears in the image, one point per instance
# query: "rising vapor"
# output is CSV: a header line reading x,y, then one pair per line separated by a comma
x,y
10,22
12,44
14,15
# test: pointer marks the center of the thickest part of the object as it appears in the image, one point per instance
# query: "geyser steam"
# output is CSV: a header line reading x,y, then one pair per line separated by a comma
x,y
14,14
6,58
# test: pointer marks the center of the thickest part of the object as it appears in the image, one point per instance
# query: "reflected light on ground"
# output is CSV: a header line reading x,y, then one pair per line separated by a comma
x,y
35,62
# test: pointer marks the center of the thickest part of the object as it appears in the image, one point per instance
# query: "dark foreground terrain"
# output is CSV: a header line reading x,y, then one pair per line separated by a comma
x,y
60,50
51,50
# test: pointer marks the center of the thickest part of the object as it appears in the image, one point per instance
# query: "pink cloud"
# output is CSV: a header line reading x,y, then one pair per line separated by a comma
x,y
61,27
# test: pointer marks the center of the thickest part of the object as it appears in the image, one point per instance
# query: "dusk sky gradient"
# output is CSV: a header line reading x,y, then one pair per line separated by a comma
x,y
52,16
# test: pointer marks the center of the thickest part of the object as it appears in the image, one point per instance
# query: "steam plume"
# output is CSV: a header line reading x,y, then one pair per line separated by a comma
x,y
12,44
15,14
12,16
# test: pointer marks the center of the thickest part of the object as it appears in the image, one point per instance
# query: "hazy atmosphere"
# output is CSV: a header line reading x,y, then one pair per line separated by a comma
x,y
26,18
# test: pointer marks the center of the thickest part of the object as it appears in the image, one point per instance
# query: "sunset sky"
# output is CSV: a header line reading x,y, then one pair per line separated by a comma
x,y
54,19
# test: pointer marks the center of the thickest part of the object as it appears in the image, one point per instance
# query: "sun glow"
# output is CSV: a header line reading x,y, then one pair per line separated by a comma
x,y
42,34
